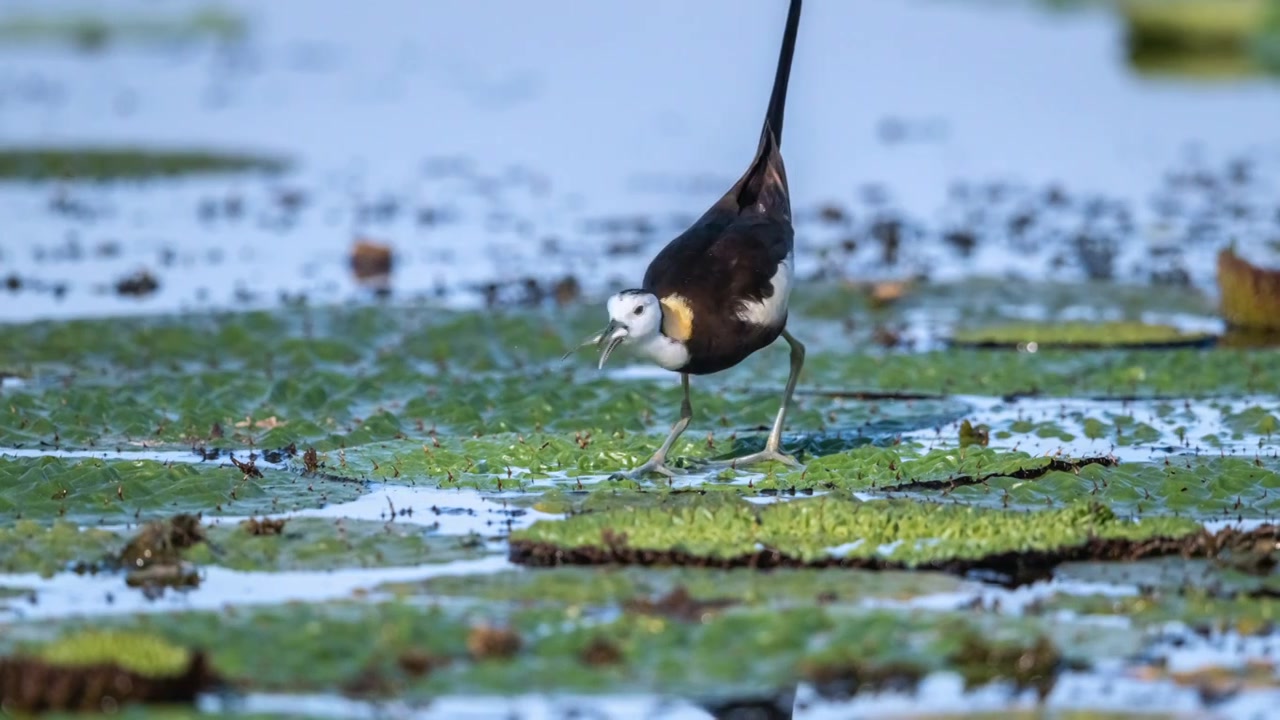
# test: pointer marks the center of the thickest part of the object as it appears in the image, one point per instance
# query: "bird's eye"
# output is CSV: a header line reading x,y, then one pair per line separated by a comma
x,y
640,310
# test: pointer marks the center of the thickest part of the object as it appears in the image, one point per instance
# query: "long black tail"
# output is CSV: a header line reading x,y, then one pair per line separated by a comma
x,y
778,100
765,181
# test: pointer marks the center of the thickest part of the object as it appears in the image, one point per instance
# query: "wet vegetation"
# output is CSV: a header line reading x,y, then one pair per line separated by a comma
x,y
124,163
379,649
265,417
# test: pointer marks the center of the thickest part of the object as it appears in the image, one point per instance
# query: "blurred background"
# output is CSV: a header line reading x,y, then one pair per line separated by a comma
x,y
497,152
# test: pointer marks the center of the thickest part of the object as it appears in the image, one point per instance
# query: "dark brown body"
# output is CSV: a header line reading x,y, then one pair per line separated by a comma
x,y
733,252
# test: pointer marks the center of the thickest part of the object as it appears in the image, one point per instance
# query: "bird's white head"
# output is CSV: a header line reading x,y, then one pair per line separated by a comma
x,y
635,317
637,311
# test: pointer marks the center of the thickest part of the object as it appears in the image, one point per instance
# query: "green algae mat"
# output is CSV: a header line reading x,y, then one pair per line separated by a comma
x,y
402,502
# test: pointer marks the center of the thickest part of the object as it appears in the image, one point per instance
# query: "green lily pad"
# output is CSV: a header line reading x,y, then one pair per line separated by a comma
x,y
302,544
29,546
94,491
1254,420
322,544
1202,488
519,461
904,466
339,377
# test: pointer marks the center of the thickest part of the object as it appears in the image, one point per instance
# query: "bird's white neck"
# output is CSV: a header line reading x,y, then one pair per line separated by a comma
x,y
669,354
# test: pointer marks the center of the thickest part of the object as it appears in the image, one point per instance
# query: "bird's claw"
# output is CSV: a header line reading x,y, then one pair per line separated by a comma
x,y
658,464
755,459
652,466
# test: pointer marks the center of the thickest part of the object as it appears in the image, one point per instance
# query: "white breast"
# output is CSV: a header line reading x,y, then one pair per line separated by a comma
x,y
770,311
669,354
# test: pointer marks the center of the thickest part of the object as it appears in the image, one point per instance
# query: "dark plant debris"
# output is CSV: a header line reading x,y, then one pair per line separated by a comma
x,y
371,260
678,604
486,642
265,526
153,558
139,284
600,651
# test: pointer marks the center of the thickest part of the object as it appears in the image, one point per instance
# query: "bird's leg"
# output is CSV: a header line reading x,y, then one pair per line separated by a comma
x,y
773,446
658,462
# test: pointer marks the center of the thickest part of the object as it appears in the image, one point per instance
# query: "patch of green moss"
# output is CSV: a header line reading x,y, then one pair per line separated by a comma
x,y
29,546
818,529
321,544
143,653
1199,38
1076,334
93,491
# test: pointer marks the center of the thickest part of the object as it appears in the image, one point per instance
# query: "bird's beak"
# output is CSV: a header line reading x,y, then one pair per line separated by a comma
x,y
608,339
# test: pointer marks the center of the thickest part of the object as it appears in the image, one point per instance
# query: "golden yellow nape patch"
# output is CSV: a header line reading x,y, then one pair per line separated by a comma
x,y
677,318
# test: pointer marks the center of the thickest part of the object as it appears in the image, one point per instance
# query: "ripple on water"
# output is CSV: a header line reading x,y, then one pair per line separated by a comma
x,y
458,511
169,456
71,595
938,693
1040,426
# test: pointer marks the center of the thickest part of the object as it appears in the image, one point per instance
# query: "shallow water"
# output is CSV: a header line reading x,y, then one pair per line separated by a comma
x,y
364,99
941,695
68,595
